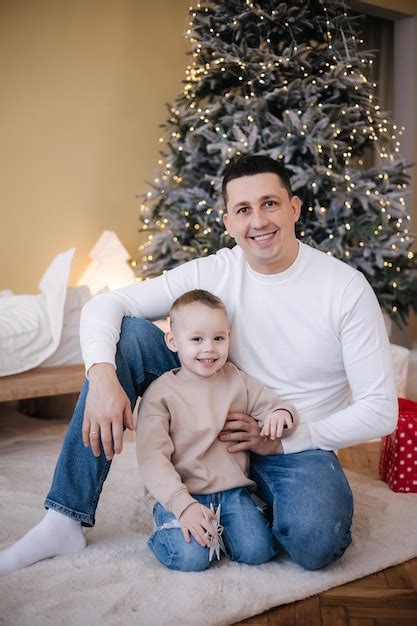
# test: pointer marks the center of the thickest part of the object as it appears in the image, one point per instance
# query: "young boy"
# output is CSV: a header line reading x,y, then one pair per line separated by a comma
x,y
184,465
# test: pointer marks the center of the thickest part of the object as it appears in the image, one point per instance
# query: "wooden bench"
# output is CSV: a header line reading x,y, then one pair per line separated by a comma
x,y
41,382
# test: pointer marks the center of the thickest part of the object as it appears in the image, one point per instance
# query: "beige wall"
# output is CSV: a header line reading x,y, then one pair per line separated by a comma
x,y
83,87
82,91
406,7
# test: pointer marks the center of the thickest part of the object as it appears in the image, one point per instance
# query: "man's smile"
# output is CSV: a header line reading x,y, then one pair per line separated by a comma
x,y
263,237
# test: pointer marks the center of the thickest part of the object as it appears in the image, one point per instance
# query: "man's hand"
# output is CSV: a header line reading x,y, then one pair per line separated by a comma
x,y
107,409
274,424
244,430
192,521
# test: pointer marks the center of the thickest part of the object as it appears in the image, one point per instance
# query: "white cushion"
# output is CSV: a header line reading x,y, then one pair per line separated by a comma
x,y
69,349
30,326
400,359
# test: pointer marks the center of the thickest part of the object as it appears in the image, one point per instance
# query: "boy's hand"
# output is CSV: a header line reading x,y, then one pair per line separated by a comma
x,y
275,422
243,433
192,521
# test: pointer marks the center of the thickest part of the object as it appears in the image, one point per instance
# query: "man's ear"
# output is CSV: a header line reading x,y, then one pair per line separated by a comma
x,y
296,207
226,222
170,342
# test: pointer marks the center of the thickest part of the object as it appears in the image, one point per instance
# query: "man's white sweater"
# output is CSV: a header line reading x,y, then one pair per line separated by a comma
x,y
314,334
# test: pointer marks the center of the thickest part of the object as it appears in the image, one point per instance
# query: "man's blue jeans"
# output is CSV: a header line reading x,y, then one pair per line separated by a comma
x,y
247,535
311,498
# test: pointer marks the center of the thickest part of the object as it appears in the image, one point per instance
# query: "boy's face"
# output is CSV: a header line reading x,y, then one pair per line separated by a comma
x,y
261,219
200,335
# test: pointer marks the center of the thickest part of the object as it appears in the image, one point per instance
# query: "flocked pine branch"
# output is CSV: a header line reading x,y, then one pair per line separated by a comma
x,y
289,80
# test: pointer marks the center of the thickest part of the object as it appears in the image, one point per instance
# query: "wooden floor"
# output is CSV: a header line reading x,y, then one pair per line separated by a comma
x,y
387,598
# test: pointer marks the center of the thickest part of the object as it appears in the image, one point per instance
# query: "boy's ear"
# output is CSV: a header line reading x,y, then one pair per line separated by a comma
x,y
170,342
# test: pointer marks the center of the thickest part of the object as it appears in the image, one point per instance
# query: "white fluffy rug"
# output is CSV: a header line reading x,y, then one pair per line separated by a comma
x,y
117,581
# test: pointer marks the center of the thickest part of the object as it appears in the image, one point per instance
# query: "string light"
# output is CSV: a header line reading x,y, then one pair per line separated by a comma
x,y
355,130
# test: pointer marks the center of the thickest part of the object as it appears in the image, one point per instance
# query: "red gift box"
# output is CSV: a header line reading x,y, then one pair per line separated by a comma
x,y
398,457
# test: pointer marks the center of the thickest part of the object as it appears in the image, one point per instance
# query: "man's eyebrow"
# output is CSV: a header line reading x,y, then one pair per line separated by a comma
x,y
269,196
239,204
262,199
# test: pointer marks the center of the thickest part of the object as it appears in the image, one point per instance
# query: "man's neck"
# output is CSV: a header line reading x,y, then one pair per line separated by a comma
x,y
275,267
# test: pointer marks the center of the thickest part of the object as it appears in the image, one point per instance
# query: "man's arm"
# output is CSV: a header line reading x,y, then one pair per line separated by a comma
x,y
151,299
107,405
101,317
367,361
108,408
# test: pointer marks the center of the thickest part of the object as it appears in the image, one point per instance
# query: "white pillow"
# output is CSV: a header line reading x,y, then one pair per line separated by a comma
x,y
400,359
69,350
30,326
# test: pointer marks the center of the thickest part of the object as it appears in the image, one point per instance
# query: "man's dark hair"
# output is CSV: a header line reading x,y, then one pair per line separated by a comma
x,y
251,164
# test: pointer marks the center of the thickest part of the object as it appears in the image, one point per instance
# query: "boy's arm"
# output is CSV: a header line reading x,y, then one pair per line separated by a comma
x,y
262,402
241,430
154,450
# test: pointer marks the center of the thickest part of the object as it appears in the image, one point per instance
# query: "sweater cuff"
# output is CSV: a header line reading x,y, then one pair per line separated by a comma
x,y
289,432
179,502
98,352
300,441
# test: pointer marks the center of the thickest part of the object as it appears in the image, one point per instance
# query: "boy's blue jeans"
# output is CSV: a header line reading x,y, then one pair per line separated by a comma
x,y
247,535
308,492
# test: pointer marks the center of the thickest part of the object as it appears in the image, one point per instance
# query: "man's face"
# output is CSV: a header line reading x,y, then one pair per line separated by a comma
x,y
261,217
200,335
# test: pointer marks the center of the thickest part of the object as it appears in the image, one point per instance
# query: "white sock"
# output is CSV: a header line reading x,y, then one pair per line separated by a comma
x,y
55,534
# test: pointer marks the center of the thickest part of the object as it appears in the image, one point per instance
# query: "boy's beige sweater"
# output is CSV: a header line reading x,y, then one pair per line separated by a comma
x,y
179,421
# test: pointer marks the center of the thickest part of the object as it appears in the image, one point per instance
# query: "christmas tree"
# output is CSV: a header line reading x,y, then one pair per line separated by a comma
x,y
288,80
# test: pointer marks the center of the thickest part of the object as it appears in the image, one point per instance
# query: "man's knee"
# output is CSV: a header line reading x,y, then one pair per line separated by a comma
x,y
312,546
318,556
136,328
138,339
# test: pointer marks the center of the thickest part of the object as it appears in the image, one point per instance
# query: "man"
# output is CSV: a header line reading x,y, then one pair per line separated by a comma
x,y
306,324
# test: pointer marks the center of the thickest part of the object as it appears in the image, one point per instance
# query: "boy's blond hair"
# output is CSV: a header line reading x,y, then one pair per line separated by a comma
x,y
196,295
